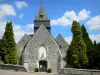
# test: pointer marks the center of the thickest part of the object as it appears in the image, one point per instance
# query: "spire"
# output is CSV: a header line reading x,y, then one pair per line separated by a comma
x,y
40,18
41,15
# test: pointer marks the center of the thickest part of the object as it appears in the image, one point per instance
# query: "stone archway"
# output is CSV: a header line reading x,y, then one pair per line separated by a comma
x,y
43,66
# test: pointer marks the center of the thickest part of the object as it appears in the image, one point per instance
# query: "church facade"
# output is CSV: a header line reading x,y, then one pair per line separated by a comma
x,y
41,50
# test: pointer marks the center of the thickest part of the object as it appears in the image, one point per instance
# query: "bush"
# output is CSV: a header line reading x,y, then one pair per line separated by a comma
x,y
49,70
36,69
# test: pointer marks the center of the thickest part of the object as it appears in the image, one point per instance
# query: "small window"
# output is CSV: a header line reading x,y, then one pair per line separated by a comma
x,y
41,16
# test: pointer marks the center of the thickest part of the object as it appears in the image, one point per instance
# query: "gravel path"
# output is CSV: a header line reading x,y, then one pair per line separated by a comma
x,y
5,72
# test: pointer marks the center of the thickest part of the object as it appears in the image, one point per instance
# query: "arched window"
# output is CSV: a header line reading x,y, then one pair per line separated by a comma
x,y
42,52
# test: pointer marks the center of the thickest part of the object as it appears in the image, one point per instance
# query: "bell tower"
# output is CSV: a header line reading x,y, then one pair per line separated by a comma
x,y
41,18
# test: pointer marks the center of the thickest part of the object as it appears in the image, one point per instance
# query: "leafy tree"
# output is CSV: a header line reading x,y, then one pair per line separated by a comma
x,y
9,46
76,54
89,46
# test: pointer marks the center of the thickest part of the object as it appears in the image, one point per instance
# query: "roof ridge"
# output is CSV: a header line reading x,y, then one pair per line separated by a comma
x,y
41,9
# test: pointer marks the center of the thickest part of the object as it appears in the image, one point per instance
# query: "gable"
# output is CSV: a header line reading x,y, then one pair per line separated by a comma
x,y
43,32
43,37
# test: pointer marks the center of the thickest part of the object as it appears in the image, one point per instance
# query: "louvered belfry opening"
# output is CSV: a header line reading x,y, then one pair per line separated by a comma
x,y
41,18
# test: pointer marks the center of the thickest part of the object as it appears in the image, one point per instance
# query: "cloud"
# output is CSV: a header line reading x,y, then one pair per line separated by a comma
x,y
69,16
2,28
95,37
94,23
21,4
84,14
6,10
30,26
29,29
21,16
63,21
19,31
68,39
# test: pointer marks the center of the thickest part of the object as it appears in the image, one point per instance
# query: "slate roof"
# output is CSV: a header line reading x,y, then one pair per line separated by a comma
x,y
61,41
41,12
63,45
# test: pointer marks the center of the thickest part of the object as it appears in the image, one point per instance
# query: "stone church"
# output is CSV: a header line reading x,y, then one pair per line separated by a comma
x,y
41,50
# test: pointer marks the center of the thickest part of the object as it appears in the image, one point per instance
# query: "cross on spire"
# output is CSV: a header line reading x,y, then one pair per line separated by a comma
x,y
41,2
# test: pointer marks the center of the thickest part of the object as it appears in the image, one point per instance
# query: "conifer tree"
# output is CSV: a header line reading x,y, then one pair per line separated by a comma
x,y
76,54
9,45
89,46
86,38
97,56
0,48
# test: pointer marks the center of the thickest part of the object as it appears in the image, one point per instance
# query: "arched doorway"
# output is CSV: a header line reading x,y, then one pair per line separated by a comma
x,y
43,66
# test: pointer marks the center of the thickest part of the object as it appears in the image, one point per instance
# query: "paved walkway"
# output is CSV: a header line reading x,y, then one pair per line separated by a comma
x,y
5,72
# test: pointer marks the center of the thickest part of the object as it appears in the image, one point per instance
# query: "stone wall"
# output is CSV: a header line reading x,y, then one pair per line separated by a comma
x,y
13,67
63,48
72,71
42,38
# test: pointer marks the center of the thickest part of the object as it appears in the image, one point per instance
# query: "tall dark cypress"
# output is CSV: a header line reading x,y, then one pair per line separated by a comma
x,y
76,55
9,45
0,46
89,46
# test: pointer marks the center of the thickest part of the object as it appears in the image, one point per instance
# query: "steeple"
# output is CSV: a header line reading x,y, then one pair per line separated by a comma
x,y
40,18
41,15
